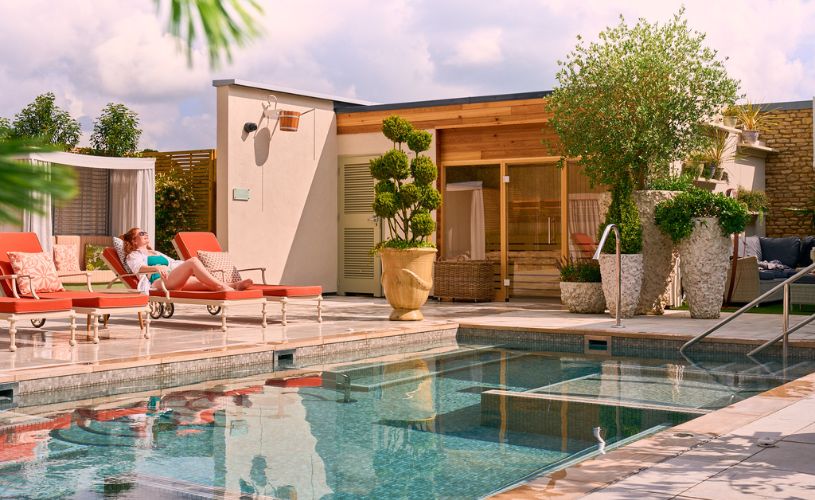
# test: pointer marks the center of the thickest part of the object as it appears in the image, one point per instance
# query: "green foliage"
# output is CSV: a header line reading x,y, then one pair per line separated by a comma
x,y
174,206
23,183
116,131
220,23
44,119
636,100
579,270
756,201
5,128
623,212
675,217
682,182
750,116
405,205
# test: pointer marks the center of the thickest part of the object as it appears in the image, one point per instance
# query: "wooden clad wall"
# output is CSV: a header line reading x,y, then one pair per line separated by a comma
x,y
201,163
480,114
495,142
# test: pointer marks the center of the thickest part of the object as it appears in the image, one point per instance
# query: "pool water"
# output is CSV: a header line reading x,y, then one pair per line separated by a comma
x,y
457,424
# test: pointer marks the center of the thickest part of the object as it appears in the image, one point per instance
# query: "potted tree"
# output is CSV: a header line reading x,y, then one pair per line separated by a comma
x,y
751,118
580,287
700,223
627,107
404,198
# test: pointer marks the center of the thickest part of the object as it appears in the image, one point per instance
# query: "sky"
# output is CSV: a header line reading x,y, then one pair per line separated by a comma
x,y
90,53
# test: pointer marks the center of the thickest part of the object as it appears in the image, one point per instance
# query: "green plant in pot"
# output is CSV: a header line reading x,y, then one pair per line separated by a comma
x,y
751,118
730,116
581,290
405,198
700,223
627,107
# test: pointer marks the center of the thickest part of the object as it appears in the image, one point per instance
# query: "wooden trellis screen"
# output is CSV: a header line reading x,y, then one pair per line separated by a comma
x,y
201,162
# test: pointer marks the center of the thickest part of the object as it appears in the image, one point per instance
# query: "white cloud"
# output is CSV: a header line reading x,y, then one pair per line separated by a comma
x,y
482,46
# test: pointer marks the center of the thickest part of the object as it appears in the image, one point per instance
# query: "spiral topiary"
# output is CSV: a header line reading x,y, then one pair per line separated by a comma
x,y
404,194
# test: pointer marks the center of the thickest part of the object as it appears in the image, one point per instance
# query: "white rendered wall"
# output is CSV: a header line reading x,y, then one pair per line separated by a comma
x,y
289,224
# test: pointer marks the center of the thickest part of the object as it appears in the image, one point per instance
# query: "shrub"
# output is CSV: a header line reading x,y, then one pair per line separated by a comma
x,y
174,206
756,201
579,270
683,182
675,217
623,213
405,204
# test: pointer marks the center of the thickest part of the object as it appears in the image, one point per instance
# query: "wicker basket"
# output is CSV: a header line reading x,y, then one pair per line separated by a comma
x,y
464,279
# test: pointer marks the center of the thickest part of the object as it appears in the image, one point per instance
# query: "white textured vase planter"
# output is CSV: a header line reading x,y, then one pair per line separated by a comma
x,y
703,260
631,285
583,298
658,254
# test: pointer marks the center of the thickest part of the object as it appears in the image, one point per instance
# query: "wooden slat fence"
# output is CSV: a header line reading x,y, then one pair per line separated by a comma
x,y
201,163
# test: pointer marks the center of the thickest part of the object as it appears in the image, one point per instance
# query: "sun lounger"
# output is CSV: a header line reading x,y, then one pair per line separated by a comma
x,y
13,310
188,244
166,299
92,304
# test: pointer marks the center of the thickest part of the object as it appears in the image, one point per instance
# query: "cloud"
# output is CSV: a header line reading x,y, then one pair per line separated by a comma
x,y
91,53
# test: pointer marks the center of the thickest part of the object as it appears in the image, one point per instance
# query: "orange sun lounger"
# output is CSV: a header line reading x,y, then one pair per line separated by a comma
x,y
188,244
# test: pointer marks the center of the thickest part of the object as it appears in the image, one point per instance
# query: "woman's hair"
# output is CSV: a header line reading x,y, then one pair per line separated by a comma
x,y
130,240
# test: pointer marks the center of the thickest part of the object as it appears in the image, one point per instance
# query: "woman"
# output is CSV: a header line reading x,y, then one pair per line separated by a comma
x,y
175,274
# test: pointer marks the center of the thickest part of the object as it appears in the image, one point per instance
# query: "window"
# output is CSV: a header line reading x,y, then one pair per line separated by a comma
x,y
89,212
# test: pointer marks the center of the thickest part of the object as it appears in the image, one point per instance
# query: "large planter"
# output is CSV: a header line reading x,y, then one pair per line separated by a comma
x,y
407,276
658,255
704,257
631,282
750,136
584,298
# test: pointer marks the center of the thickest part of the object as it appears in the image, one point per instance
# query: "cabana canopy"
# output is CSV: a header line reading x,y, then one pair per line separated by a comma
x,y
132,193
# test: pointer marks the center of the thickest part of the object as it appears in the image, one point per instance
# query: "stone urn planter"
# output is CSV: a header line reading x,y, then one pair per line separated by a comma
x,y
583,298
632,270
407,276
704,257
658,254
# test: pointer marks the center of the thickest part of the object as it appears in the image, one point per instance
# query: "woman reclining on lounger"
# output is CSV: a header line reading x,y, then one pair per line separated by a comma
x,y
175,274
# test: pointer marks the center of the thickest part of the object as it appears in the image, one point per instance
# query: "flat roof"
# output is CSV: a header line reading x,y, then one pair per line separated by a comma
x,y
792,105
287,90
444,102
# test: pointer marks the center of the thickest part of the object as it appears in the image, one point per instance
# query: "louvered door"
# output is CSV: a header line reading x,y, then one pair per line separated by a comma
x,y
359,229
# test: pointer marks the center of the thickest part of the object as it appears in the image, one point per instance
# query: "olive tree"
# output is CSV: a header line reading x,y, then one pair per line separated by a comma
x,y
116,131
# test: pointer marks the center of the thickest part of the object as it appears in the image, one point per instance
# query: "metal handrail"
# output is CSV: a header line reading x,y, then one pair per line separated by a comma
x,y
785,318
606,231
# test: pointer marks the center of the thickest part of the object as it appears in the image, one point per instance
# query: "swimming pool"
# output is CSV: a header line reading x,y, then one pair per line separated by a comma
x,y
458,424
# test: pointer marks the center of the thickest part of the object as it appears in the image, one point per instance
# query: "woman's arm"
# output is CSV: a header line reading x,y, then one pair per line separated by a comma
x,y
137,262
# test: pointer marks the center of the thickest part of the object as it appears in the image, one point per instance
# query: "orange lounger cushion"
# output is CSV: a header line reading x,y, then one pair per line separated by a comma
x,y
99,300
288,291
10,305
189,243
233,295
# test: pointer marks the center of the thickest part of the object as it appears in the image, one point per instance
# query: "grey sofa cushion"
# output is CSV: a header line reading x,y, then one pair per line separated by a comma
x,y
752,247
807,243
784,250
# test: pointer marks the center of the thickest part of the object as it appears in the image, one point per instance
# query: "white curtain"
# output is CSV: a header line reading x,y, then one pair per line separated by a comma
x,y
584,217
132,194
40,223
464,220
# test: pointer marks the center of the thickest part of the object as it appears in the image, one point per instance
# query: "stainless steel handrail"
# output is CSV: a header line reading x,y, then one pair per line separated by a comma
x,y
606,231
785,318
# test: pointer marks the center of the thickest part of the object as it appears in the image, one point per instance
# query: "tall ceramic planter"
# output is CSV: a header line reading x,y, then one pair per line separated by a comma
x,y
631,282
704,257
584,298
658,254
407,276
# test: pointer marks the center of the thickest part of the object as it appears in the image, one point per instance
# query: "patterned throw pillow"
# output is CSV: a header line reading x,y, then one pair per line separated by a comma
x,y
93,257
40,267
66,258
119,246
220,265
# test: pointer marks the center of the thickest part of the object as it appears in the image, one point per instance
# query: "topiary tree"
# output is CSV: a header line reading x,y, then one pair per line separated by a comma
x,y
174,206
633,102
45,120
116,131
404,203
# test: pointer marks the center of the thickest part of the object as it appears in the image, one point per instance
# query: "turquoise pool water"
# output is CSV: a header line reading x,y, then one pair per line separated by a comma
x,y
459,424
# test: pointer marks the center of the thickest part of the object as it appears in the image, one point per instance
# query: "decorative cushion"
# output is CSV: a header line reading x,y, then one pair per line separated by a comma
x,y
93,257
784,250
119,246
750,247
807,244
220,265
66,258
40,267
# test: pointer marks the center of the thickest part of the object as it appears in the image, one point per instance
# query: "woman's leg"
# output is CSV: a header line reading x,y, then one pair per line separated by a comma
x,y
188,269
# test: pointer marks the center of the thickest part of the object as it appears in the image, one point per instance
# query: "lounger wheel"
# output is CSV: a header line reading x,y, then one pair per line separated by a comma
x,y
214,310
38,323
168,310
156,309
